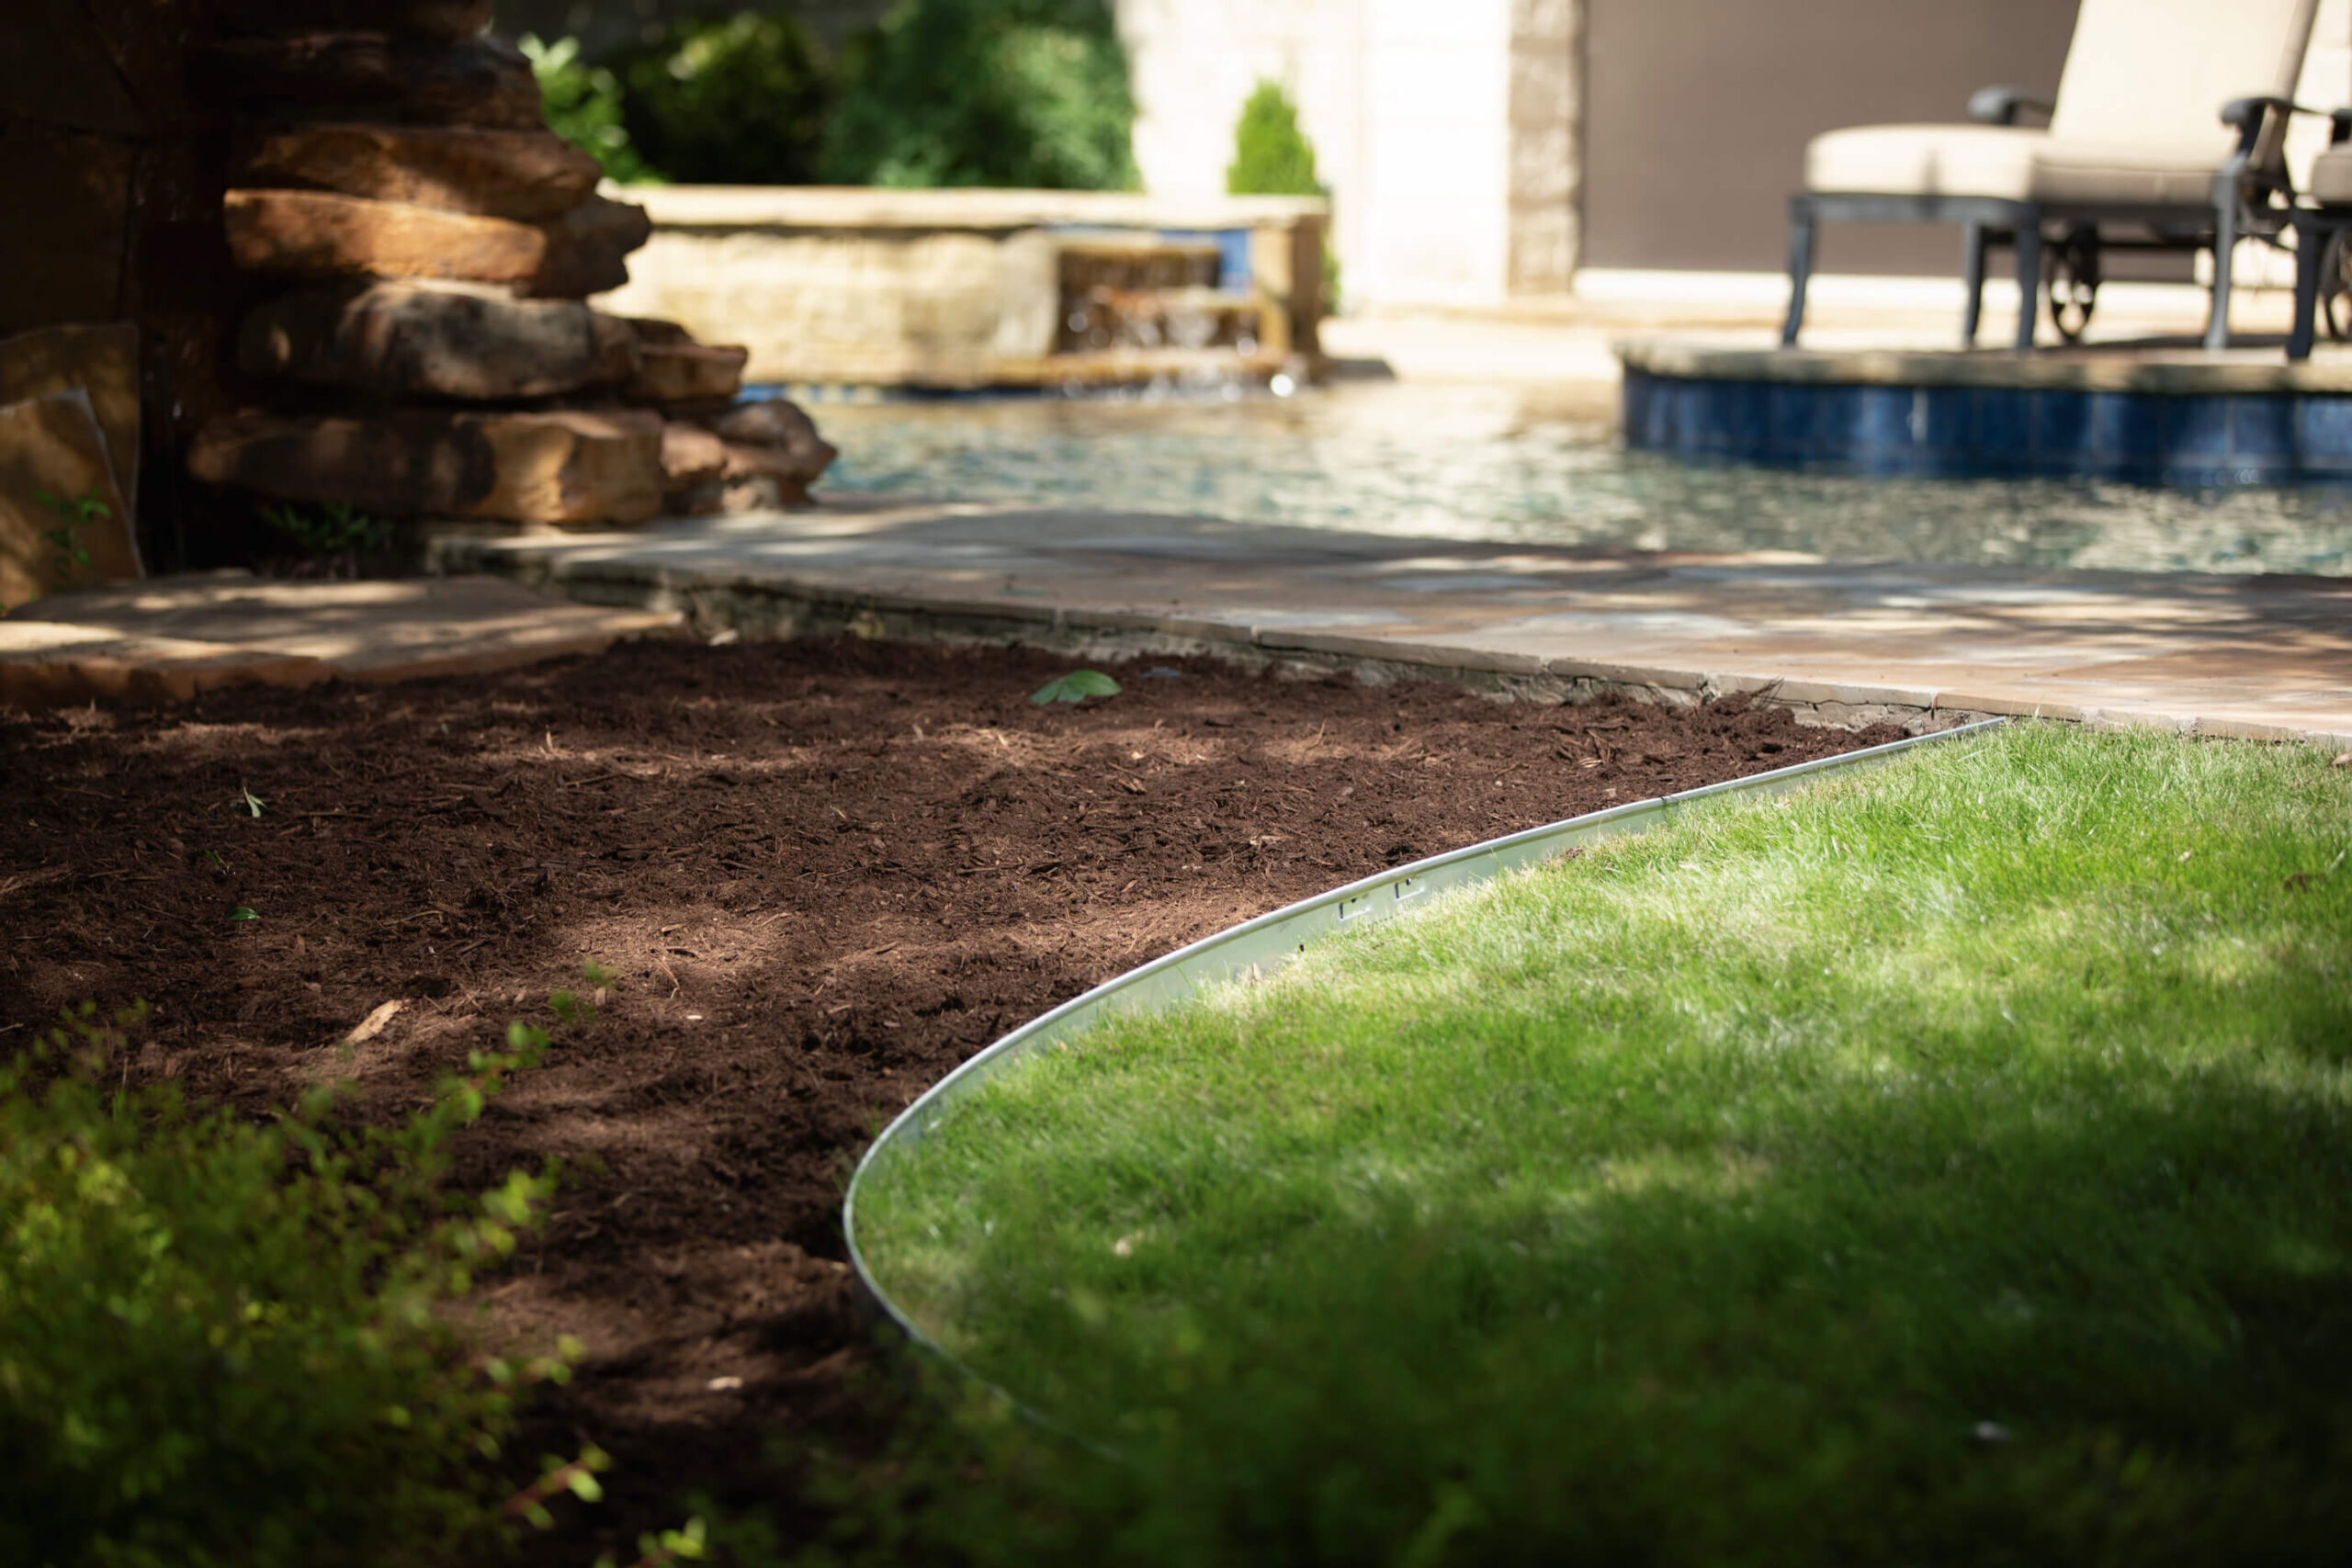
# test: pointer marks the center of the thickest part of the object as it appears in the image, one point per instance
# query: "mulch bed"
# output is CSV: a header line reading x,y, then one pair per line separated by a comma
x,y
824,873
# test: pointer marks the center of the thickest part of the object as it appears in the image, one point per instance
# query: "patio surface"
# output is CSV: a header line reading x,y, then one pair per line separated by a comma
x,y
177,637
2266,658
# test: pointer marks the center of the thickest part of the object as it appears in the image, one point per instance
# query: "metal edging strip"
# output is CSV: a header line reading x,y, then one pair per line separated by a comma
x,y
1275,938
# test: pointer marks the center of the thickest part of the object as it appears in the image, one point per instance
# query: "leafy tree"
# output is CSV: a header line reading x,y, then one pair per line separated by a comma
x,y
1022,92
584,106
737,100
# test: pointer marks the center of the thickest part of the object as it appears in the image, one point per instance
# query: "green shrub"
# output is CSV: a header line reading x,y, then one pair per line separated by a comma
x,y
583,105
1019,93
1271,155
734,101
229,1343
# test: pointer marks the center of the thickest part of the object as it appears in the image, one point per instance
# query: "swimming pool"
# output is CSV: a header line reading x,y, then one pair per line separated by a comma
x,y
1542,464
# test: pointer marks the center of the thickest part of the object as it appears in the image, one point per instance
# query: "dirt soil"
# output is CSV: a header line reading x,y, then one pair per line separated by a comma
x,y
825,873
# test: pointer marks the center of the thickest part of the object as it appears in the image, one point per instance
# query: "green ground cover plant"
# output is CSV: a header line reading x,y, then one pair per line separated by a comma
x,y
234,1341
1947,1163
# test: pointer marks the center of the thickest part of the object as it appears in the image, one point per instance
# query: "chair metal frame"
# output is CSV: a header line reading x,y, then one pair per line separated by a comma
x,y
2252,197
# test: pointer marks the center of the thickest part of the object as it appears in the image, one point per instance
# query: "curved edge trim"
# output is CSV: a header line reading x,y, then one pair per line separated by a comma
x,y
1281,935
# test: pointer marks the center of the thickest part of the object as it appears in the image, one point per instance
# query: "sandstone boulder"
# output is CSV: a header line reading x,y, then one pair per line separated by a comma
x,y
691,458
51,446
687,373
565,467
483,82
527,176
782,431
445,20
103,361
587,247
436,340
304,233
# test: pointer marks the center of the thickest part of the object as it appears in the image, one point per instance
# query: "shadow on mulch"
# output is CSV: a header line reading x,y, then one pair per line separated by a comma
x,y
825,873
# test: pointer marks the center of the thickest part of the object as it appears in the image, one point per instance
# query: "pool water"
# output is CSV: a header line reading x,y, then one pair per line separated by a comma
x,y
1541,466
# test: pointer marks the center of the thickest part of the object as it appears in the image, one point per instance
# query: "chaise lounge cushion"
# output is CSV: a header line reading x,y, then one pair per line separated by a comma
x,y
2138,118
2003,164
2331,181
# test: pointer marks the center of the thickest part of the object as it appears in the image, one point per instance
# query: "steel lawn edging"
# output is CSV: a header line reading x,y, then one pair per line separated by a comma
x,y
1262,944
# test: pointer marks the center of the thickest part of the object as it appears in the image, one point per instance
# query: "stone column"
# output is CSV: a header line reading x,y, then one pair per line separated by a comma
x,y
1546,143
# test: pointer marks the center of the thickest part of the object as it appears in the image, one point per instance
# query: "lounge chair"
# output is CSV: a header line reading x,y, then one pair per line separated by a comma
x,y
2324,244
2167,133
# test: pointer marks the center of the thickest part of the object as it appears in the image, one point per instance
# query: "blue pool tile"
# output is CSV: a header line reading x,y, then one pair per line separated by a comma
x,y
1815,424
2004,424
1740,419
2324,434
2061,428
2194,428
2129,426
1884,417
2262,431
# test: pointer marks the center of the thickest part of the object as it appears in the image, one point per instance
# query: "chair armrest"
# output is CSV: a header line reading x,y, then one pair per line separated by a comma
x,y
2250,117
1999,106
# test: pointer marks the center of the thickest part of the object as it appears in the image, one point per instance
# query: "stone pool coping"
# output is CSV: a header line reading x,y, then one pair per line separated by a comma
x,y
1924,647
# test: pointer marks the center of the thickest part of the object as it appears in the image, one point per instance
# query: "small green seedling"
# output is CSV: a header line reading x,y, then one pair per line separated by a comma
x,y
249,800
1075,687
67,554
333,528
213,858
243,912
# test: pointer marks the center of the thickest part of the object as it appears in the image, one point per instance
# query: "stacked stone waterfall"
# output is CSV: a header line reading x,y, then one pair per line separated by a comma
x,y
429,247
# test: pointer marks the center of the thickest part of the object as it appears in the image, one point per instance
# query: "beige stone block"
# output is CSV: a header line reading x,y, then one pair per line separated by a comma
x,y
103,360
483,82
300,233
563,466
43,664
53,446
440,340
587,249
527,176
691,457
783,428
687,373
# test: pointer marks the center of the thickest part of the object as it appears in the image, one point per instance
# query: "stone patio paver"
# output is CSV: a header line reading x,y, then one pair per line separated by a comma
x,y
2261,657
173,638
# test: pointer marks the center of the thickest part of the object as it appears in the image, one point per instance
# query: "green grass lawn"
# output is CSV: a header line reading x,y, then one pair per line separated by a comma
x,y
1948,1163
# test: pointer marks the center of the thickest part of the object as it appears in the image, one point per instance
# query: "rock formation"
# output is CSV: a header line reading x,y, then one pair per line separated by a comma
x,y
426,246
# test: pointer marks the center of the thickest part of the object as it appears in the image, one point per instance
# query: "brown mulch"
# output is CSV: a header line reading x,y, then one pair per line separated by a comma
x,y
824,873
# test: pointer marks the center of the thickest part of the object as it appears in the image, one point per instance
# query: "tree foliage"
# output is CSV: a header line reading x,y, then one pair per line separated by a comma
x,y
1016,93
736,100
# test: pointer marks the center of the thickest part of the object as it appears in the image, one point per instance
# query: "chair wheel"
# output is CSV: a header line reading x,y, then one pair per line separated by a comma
x,y
2070,274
